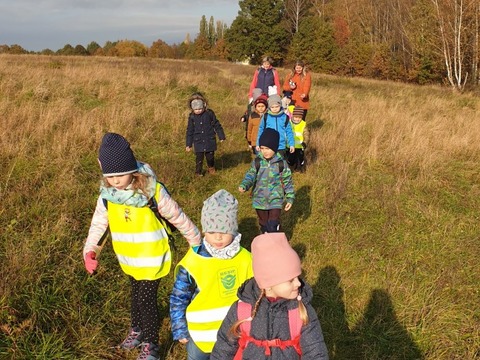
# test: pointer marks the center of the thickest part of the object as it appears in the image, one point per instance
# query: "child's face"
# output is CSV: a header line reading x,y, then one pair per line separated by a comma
x,y
267,152
218,240
120,182
286,290
275,108
197,111
287,100
260,108
296,119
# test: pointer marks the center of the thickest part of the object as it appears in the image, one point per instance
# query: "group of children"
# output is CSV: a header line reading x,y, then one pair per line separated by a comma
x,y
282,115
226,303
276,133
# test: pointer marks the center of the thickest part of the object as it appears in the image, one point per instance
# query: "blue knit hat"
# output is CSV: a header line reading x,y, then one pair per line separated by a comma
x,y
269,138
115,156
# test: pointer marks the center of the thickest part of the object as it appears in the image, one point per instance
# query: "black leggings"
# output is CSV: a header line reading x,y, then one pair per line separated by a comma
x,y
209,156
144,308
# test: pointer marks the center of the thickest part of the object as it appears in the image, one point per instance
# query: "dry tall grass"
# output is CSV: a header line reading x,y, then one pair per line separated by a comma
x,y
385,218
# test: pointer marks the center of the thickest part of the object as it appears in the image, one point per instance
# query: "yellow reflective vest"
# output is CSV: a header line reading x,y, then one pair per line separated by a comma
x,y
139,240
218,281
298,133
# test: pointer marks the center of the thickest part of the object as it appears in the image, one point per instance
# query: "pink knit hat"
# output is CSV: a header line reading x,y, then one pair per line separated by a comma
x,y
273,260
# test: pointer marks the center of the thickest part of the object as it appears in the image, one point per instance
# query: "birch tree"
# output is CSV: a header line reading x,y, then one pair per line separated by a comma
x,y
458,33
294,11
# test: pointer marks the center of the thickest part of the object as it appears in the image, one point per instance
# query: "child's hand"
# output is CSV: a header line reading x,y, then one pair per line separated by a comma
x,y
288,206
188,148
183,341
241,189
258,148
292,149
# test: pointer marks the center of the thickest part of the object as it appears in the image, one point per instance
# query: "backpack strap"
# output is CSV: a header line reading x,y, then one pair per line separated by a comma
x,y
295,323
281,167
244,310
169,228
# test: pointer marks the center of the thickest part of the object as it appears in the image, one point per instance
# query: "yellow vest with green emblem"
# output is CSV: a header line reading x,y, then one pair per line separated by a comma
x,y
139,241
298,133
218,281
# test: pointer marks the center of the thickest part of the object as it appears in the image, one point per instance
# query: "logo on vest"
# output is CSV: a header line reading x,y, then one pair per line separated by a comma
x,y
127,215
228,279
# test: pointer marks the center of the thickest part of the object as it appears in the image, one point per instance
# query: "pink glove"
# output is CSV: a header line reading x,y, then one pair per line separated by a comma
x,y
90,262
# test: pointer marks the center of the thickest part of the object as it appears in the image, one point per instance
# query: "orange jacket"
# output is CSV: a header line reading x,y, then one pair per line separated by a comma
x,y
303,87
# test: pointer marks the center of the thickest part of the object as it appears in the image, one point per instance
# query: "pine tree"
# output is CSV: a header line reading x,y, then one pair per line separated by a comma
x,y
258,30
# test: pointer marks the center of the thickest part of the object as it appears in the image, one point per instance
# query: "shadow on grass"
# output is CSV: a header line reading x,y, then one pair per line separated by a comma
x,y
230,160
300,211
315,124
378,334
248,227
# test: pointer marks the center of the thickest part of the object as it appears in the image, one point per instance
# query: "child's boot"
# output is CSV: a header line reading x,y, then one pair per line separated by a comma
x,y
133,339
150,351
211,170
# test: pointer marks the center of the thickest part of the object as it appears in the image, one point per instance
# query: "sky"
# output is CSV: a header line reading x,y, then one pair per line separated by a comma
x,y
36,25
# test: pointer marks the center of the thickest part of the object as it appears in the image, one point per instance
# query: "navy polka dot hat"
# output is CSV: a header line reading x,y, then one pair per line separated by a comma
x,y
115,156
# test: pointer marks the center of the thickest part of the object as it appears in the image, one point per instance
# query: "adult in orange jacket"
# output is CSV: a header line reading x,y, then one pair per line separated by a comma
x,y
299,82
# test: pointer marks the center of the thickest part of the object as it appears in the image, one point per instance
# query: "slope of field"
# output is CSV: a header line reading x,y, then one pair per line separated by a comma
x,y
385,219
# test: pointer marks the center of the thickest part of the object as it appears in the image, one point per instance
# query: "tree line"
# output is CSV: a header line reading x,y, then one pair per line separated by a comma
x,y
418,41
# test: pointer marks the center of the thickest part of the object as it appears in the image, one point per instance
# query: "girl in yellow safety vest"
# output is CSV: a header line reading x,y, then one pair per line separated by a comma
x,y
208,277
139,238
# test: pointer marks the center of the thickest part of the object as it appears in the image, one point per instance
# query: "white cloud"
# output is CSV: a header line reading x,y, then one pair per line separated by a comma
x,y
40,24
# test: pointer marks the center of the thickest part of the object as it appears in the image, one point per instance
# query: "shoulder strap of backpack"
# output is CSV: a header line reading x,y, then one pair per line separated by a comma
x,y
295,323
257,163
265,116
244,311
169,228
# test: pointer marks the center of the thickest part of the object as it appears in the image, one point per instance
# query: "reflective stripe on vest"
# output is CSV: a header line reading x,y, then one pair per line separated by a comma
x,y
298,133
218,290
139,241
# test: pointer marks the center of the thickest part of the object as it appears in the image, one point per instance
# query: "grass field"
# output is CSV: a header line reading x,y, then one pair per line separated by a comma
x,y
385,219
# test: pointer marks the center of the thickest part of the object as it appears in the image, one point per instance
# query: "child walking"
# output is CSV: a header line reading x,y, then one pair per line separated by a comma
x,y
202,129
208,277
139,238
271,180
301,134
274,318
260,106
276,118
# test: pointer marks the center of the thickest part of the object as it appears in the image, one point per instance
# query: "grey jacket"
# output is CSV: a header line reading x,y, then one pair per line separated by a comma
x,y
270,322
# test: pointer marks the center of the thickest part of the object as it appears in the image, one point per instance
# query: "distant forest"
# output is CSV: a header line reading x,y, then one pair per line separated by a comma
x,y
417,41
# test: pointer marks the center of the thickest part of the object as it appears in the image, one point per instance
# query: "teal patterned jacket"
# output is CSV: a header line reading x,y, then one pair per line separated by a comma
x,y
270,187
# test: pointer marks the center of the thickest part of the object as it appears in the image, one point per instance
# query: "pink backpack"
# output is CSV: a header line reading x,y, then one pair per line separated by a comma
x,y
244,311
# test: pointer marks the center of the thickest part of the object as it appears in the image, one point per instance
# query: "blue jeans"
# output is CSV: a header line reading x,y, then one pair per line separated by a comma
x,y
194,353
